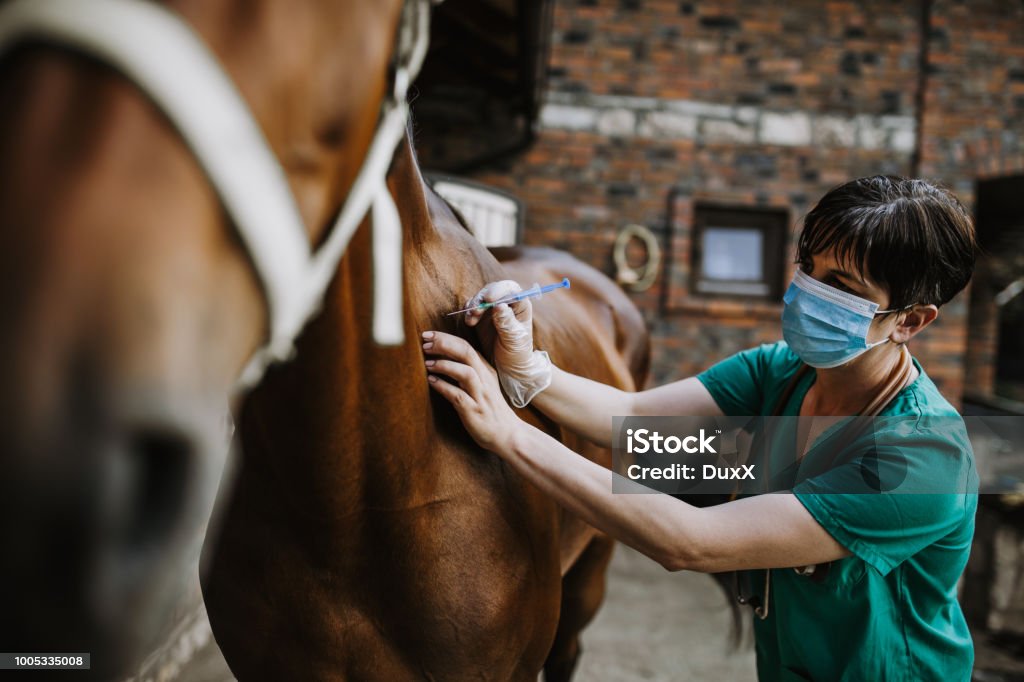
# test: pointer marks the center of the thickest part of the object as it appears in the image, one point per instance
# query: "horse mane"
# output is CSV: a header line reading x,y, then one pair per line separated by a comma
x,y
411,135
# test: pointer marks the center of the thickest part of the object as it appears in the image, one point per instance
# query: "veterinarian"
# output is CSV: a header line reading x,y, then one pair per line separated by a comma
x,y
877,258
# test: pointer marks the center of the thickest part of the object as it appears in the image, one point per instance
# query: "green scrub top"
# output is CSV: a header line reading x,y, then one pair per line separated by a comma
x,y
889,611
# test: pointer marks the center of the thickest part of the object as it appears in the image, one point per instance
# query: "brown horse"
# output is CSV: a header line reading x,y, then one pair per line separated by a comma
x,y
367,536
129,304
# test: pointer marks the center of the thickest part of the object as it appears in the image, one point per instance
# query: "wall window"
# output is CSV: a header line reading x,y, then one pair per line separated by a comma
x,y
739,251
495,217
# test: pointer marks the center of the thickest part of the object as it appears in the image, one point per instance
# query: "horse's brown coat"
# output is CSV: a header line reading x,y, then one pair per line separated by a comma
x,y
128,307
367,536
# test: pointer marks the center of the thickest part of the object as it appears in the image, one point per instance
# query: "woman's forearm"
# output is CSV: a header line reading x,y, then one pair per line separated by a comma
x,y
765,531
584,406
653,524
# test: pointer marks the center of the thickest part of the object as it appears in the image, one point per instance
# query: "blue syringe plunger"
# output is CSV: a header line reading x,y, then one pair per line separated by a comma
x,y
535,291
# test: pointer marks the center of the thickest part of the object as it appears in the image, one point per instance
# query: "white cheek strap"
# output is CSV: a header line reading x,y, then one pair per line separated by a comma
x,y
161,54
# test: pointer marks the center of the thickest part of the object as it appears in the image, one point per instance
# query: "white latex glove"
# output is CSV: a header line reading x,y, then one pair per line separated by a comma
x,y
522,371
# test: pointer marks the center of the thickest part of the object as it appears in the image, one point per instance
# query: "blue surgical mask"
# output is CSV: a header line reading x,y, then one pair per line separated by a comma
x,y
825,326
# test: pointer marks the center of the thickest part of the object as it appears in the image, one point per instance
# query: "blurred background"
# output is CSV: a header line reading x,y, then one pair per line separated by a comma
x,y
676,145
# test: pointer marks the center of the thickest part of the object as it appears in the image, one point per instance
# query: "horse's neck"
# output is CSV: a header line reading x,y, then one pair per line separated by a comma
x,y
360,415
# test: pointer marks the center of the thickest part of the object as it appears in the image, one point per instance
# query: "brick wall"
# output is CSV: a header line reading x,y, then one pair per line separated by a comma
x,y
759,104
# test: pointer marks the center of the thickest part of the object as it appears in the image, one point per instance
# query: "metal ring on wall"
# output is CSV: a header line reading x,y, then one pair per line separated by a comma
x,y
642,277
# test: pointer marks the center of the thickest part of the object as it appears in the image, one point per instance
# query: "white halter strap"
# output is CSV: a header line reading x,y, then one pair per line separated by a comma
x,y
161,54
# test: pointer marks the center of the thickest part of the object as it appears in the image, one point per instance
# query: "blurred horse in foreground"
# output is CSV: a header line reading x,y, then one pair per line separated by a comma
x,y
165,170
368,536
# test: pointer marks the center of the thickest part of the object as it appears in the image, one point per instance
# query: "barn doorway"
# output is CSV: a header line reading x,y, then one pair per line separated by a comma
x,y
996,317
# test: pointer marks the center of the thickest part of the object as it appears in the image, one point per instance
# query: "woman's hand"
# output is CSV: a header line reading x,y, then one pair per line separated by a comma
x,y
513,322
475,395
522,371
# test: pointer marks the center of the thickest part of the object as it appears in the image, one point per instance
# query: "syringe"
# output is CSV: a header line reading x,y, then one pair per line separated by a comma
x,y
535,290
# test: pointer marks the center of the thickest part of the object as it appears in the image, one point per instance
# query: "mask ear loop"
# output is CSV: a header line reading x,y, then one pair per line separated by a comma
x,y
888,312
894,310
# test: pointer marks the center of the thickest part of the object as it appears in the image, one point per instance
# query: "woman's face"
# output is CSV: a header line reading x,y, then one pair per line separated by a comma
x,y
827,269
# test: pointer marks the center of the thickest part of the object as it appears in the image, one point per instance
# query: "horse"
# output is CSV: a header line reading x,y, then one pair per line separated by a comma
x,y
144,251
367,536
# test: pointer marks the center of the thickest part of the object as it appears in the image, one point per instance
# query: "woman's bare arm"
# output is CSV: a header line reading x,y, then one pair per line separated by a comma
x,y
766,531
586,407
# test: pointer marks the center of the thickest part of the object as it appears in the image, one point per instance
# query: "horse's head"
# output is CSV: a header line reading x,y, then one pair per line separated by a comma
x,y
131,299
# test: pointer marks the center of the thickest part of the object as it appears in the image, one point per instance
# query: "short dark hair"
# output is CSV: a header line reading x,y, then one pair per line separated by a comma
x,y
911,236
